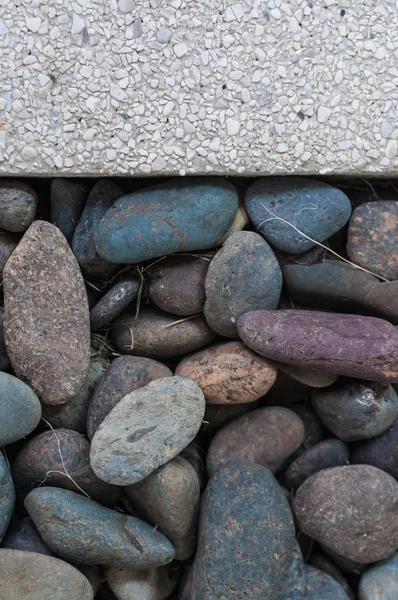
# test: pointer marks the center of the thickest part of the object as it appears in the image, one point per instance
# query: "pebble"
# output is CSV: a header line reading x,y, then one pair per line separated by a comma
x,y
313,207
46,324
73,414
100,199
355,410
380,581
324,455
141,584
34,576
68,198
18,204
243,546
5,364
179,215
322,562
50,456
20,409
159,335
372,237
170,498
320,586
351,345
352,509
24,536
115,301
229,373
177,284
82,531
380,451
124,375
293,583
266,436
151,426
7,496
310,377
243,276
330,284
8,243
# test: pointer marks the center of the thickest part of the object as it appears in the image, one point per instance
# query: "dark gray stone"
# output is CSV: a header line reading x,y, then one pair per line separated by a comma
x,y
115,301
68,197
246,536
18,204
7,496
243,276
100,199
82,531
24,536
313,207
321,561
320,586
325,455
356,410
380,451
293,583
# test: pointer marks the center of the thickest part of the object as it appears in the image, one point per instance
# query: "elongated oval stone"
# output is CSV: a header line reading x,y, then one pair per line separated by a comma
x,y
33,576
80,530
183,214
146,429
351,345
314,208
46,318
18,203
246,536
68,197
244,275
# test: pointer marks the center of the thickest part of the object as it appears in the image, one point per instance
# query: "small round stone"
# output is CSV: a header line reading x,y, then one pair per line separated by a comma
x,y
352,509
46,458
355,410
34,576
18,204
115,301
310,377
20,409
325,455
380,451
177,284
380,582
229,373
266,436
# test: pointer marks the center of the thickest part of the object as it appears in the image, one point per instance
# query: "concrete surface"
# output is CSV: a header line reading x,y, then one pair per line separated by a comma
x,y
142,87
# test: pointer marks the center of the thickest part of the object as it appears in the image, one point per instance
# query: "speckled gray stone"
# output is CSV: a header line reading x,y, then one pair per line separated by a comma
x,y
31,576
46,324
114,302
82,531
18,203
146,429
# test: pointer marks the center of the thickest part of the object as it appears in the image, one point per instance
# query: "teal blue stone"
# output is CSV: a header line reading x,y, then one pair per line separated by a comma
x,y
174,216
380,581
320,586
82,531
7,496
293,583
20,409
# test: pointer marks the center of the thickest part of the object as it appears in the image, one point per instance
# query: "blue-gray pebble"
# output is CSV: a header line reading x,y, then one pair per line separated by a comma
x,y
82,531
68,197
246,536
293,583
175,216
7,496
380,581
20,409
320,586
313,207
24,536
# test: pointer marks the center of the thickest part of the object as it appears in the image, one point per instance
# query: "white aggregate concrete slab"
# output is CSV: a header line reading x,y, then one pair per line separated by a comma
x,y
92,87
